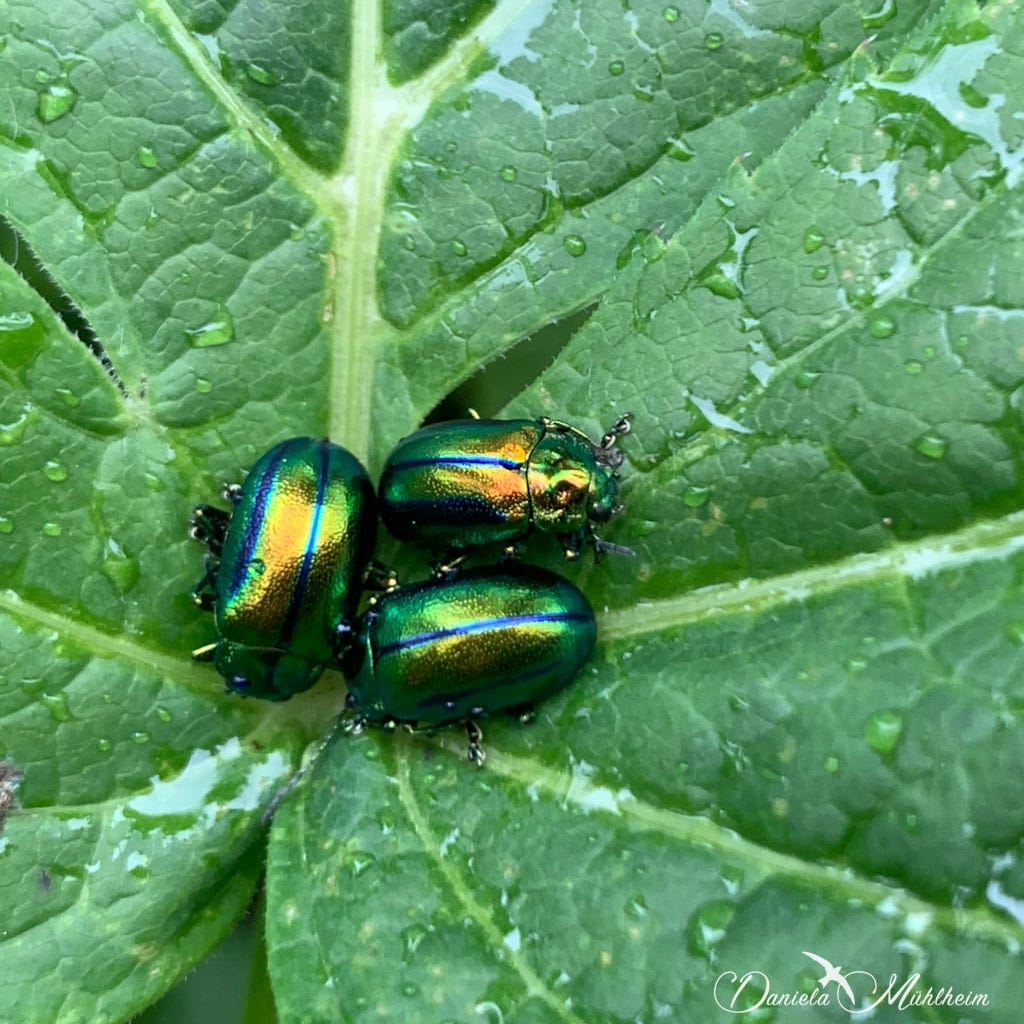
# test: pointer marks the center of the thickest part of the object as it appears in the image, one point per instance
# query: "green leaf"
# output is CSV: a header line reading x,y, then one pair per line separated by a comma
x,y
801,730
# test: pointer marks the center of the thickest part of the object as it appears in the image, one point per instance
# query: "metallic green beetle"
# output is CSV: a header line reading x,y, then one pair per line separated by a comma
x,y
465,483
467,645
286,567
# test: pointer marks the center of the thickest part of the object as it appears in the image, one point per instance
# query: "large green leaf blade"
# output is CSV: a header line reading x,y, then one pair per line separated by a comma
x,y
845,749
221,232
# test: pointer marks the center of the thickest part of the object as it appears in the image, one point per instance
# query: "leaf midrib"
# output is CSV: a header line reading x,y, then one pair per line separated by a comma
x,y
982,541
838,881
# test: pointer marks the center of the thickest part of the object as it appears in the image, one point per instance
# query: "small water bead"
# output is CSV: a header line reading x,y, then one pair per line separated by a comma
x,y
819,273
882,327
813,240
103,745
55,101
260,74
831,764
55,471
671,14
57,705
574,245
616,67
459,248
42,77
203,386
218,331
163,714
714,40
412,937
695,496
145,156
140,737
708,926
806,378
679,149
121,570
508,173
913,367
52,529
1015,632
877,18
931,445
6,524
928,351
883,731
68,397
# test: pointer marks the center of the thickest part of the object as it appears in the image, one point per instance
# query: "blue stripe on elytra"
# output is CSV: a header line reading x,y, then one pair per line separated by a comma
x,y
458,460
460,510
259,512
479,627
440,699
292,615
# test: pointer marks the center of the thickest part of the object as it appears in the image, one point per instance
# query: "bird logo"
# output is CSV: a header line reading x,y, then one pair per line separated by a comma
x,y
833,973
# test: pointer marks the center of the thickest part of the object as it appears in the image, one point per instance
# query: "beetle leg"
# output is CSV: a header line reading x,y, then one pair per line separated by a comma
x,y
512,552
208,525
203,593
232,493
621,426
475,752
448,566
572,545
380,577
205,653
344,634
603,547
526,713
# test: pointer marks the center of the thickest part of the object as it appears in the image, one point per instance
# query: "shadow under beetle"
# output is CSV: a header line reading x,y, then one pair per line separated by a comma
x,y
286,567
466,483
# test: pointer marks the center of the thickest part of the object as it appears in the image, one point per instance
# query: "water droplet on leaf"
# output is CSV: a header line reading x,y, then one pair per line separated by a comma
x,y
574,245
695,496
616,67
813,239
707,927
882,327
218,331
145,156
57,705
883,731
55,471
55,101
260,74
508,173
931,445
459,248
714,40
